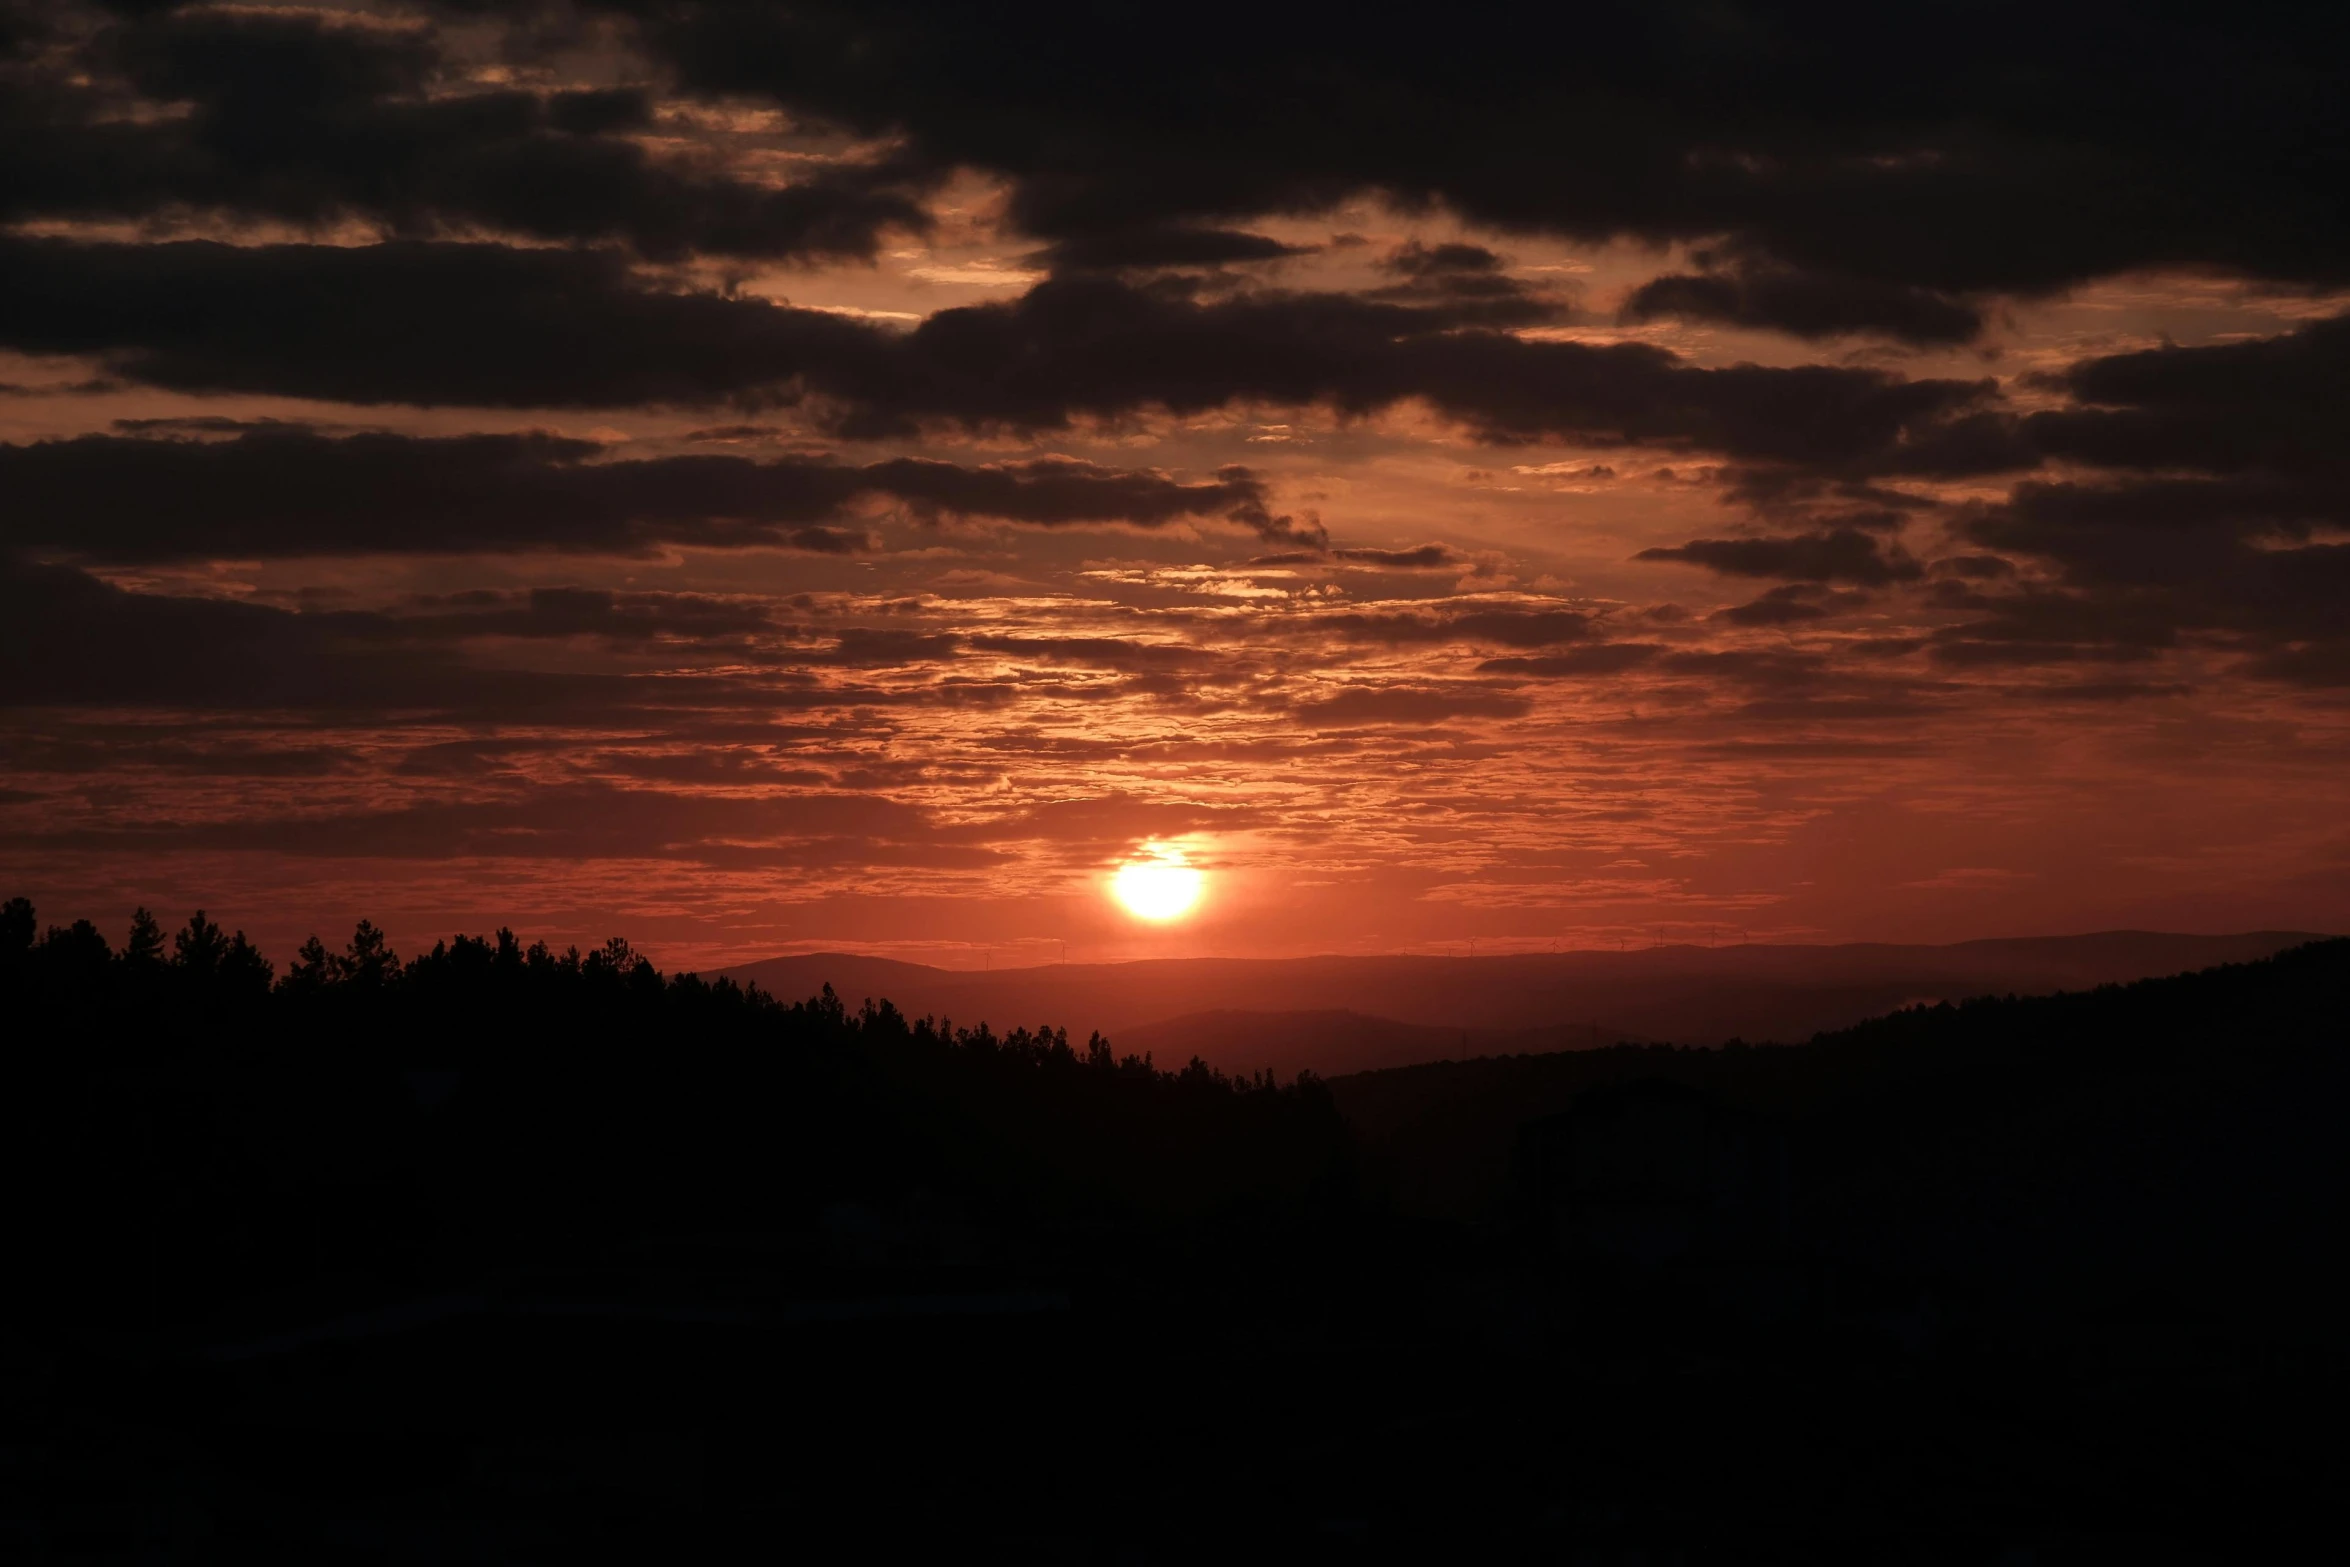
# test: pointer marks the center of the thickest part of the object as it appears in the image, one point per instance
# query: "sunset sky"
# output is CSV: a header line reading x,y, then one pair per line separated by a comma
x,y
762,477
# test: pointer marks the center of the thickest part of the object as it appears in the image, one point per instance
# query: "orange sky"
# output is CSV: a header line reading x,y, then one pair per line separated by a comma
x,y
1367,631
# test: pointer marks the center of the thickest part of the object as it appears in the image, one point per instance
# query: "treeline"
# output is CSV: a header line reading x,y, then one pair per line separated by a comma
x,y
183,1109
470,998
473,993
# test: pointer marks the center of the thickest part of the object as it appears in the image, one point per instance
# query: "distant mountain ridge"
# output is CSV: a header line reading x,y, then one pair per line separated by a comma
x,y
1345,1013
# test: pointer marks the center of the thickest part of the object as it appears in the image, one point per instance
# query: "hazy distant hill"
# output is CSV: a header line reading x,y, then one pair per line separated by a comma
x,y
1338,1014
1286,1043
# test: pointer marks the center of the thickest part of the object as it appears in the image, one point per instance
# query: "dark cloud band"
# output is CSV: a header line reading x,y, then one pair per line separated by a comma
x,y
283,492
485,325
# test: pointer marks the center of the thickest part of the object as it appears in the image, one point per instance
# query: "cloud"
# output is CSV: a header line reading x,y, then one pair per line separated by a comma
x,y
1771,672
2100,691
1465,285
1840,555
276,491
1973,568
590,821
69,639
486,325
1071,348
314,119
2037,625
1776,139
1094,652
1602,658
1792,604
1790,137
1707,689
1422,557
579,612
2143,562
1408,706
1082,828
1163,246
445,324
2318,665
2206,486
2272,404
2292,372
1515,627
90,748
1807,305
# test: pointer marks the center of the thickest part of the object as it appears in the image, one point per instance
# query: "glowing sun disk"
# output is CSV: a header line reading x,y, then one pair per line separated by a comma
x,y
1156,889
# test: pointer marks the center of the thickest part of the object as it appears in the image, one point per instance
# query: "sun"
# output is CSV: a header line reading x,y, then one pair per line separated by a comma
x,y
1158,885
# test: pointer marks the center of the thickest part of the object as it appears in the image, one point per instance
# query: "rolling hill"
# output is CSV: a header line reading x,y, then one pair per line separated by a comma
x,y
1341,1013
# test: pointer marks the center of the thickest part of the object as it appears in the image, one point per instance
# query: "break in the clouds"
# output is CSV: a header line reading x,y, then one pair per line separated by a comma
x,y
794,473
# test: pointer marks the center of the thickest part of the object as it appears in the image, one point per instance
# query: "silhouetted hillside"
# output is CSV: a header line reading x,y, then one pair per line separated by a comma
x,y
2173,1136
1685,994
488,1101
497,1253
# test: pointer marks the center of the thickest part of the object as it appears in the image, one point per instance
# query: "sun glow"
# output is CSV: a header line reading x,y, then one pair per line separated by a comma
x,y
1159,885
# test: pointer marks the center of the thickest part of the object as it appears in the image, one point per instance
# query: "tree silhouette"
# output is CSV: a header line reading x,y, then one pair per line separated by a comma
x,y
367,960
313,968
199,947
142,950
16,930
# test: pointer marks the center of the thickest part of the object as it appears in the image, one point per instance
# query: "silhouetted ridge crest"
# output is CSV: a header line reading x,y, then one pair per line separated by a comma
x,y
486,1099
2171,1134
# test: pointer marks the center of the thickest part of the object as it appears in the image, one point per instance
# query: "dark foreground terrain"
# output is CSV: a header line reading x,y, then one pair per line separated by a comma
x,y
501,1255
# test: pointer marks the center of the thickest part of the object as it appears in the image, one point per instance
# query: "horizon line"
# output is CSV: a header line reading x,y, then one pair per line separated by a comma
x,y
1474,956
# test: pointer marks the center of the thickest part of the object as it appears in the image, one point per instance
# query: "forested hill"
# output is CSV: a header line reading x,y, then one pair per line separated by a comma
x,y
409,1120
2135,1136
555,1247
368,1111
